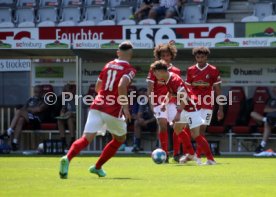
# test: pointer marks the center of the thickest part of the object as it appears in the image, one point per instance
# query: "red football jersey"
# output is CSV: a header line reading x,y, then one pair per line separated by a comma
x,y
176,84
201,81
106,100
159,87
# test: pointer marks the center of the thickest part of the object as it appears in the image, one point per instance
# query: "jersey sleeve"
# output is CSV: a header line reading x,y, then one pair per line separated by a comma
x,y
150,77
178,72
216,79
188,77
130,74
175,84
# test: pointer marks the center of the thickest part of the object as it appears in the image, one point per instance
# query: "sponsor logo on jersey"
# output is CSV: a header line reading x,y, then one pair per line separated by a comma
x,y
201,83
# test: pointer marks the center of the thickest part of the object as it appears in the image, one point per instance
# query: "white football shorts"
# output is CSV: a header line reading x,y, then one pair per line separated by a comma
x,y
98,122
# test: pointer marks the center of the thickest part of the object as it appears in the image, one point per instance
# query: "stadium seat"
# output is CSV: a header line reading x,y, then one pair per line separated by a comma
x,y
94,13
6,25
233,111
147,22
127,22
48,3
6,17
87,23
122,13
113,4
70,16
106,23
70,3
48,126
217,6
167,21
26,3
260,98
263,9
270,18
95,2
24,17
6,3
194,13
250,19
46,24
47,16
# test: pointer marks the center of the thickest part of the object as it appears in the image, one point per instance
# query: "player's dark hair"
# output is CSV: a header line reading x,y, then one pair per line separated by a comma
x,y
124,46
159,65
201,50
170,47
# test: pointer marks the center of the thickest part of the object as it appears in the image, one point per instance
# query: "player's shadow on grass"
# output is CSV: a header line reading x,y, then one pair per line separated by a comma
x,y
124,178
193,164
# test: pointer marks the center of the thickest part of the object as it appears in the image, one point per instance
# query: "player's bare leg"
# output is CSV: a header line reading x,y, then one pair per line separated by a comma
x,y
109,151
74,150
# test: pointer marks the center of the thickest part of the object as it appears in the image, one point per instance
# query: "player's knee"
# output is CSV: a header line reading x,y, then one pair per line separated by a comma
x,y
89,136
162,125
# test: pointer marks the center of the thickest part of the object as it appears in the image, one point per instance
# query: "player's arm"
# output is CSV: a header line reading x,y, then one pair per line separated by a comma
x,y
217,89
98,85
181,102
122,91
188,81
150,85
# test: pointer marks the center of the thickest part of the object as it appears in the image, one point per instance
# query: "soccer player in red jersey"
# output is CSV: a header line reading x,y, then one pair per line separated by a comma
x,y
165,52
202,79
187,113
107,111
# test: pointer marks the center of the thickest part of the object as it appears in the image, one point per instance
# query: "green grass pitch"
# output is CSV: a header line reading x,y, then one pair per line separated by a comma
x,y
138,176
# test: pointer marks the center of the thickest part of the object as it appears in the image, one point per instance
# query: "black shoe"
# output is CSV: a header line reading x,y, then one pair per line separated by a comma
x,y
176,158
167,159
14,146
4,136
259,149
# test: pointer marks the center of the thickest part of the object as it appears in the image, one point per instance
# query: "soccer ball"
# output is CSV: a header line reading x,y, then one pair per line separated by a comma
x,y
159,156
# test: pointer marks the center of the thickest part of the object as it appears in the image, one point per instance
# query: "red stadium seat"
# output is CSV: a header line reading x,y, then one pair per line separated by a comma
x,y
260,98
48,126
233,112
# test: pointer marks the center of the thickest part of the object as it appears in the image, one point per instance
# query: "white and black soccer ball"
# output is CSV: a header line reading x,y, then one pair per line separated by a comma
x,y
159,156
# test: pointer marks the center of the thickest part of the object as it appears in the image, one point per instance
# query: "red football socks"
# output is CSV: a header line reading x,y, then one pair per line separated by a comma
x,y
176,144
198,151
163,137
186,142
76,147
109,151
204,145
